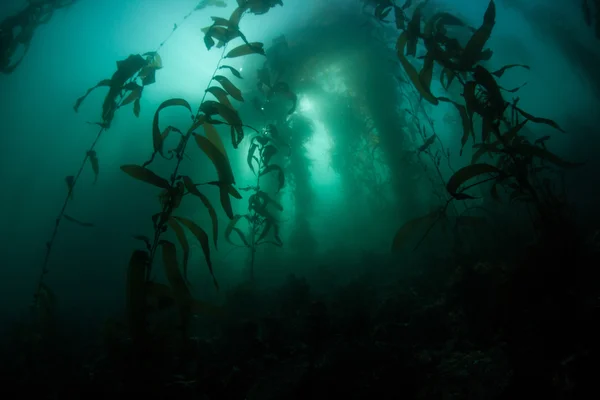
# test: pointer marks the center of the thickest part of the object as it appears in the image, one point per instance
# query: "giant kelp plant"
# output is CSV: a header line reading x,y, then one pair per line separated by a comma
x,y
518,165
261,221
126,86
140,286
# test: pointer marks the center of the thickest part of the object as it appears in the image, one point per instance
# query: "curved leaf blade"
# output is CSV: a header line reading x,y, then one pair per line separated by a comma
x,y
157,137
466,173
246,49
211,210
202,238
185,246
145,175
229,87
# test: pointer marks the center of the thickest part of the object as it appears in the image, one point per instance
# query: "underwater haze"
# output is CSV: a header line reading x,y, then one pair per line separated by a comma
x,y
338,165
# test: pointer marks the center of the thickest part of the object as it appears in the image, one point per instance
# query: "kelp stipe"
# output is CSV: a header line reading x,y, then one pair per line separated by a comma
x,y
261,222
518,162
18,30
126,86
141,289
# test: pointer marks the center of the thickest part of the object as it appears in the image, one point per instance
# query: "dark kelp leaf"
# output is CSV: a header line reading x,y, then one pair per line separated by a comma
x,y
231,116
145,175
484,148
475,45
135,294
208,41
225,200
226,190
487,127
245,49
412,227
539,120
278,242
160,219
426,74
233,192
229,87
157,139
265,231
70,180
267,153
104,82
412,72
218,158
211,210
94,163
494,95
223,34
400,18
449,74
185,246
224,171
234,71
231,227
136,107
413,32
512,133
236,16
180,290
466,173
427,143
513,90
202,238
250,159
502,70
463,196
144,239
134,94
541,140
78,222
220,94
471,102
467,124
266,199
218,21
211,134
277,168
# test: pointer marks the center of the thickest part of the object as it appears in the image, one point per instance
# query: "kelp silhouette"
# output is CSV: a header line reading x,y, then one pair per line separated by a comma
x,y
17,30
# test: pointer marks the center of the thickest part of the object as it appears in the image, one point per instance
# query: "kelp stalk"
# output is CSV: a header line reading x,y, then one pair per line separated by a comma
x,y
72,180
181,150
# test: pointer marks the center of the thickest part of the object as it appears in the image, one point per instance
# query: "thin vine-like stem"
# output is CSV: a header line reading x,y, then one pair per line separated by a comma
x,y
167,207
255,225
50,243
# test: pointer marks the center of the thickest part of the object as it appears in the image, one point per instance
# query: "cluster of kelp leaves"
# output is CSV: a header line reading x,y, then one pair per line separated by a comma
x,y
517,164
438,330
17,30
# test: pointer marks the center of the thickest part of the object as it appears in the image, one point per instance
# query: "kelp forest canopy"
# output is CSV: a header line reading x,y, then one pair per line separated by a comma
x,y
361,126
243,186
